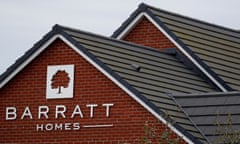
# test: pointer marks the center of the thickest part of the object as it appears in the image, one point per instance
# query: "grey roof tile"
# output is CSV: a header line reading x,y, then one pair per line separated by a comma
x,y
212,108
161,74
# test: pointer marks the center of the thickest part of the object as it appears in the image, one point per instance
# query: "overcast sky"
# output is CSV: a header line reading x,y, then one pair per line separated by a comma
x,y
24,22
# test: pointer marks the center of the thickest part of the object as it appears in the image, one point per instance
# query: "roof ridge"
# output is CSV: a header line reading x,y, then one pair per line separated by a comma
x,y
205,22
57,26
208,94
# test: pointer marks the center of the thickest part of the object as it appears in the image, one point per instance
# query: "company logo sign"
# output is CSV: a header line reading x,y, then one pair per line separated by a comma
x,y
60,84
60,81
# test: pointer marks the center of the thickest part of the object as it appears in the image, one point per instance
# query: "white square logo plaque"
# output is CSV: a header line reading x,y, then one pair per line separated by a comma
x,y
60,79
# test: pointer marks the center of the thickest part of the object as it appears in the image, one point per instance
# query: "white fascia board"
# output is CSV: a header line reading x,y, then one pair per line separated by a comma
x,y
130,93
130,26
143,14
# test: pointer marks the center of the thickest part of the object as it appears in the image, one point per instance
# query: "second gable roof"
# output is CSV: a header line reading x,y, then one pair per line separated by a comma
x,y
203,43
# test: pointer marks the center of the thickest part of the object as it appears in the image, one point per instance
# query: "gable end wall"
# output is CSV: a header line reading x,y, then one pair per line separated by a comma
x,y
28,88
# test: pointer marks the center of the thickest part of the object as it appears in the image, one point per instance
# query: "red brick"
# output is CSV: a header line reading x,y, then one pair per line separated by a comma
x,y
145,33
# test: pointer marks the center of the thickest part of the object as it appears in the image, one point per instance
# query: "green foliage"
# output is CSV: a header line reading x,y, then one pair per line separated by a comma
x,y
150,134
226,133
165,137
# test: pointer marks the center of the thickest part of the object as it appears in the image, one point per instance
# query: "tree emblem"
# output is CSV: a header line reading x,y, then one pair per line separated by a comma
x,y
59,80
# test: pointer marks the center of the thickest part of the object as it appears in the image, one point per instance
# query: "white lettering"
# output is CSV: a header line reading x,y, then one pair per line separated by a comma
x,y
67,126
91,108
43,111
60,109
26,112
11,113
77,110
58,126
107,108
76,126
49,127
39,127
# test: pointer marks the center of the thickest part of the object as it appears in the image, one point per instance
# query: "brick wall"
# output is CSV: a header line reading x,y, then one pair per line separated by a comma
x,y
145,33
28,88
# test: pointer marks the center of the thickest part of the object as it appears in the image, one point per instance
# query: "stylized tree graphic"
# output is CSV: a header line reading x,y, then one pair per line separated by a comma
x,y
59,80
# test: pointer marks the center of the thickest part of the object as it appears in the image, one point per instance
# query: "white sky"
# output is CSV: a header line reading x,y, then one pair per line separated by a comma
x,y
24,22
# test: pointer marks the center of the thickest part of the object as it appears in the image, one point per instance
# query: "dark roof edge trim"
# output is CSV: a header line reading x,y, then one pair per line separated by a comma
x,y
29,55
134,18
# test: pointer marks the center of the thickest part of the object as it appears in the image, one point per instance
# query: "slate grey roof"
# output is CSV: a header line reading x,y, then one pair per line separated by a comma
x,y
209,109
216,48
151,75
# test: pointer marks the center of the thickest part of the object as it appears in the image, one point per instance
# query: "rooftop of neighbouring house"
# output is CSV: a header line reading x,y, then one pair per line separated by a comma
x,y
216,47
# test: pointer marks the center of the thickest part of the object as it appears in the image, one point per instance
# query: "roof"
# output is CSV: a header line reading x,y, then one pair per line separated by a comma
x,y
215,48
146,74
160,74
213,113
